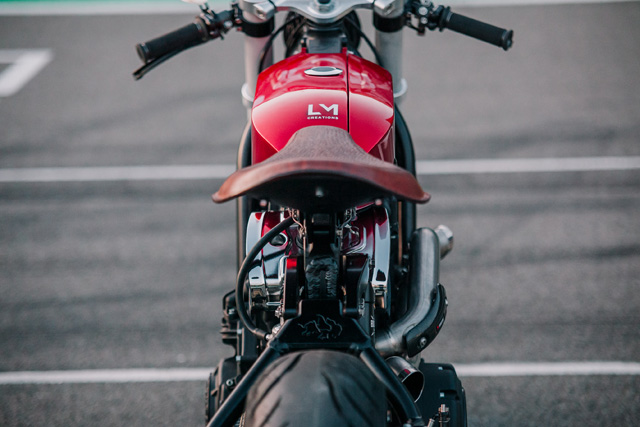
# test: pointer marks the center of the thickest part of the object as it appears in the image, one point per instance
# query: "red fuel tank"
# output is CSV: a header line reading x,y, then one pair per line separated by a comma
x,y
340,90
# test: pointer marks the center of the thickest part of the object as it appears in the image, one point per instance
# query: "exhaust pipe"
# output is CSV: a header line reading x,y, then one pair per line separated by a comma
x,y
412,378
427,301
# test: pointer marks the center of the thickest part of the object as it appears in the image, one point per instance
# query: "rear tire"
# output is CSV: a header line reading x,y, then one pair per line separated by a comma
x,y
317,388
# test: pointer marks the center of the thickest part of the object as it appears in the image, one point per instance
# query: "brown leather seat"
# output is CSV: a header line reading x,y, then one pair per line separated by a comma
x,y
321,169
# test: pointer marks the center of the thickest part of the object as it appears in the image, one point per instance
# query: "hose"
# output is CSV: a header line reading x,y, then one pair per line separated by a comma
x,y
242,275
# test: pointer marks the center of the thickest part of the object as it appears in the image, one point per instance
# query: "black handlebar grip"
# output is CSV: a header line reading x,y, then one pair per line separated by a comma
x,y
482,31
183,38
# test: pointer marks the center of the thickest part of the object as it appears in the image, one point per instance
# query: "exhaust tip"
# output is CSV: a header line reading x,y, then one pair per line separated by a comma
x,y
410,377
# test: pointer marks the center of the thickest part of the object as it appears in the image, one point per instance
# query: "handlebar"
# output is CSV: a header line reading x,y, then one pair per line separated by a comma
x,y
473,28
181,39
441,18
207,26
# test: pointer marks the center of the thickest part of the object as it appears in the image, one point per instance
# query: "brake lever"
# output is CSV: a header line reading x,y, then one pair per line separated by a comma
x,y
142,71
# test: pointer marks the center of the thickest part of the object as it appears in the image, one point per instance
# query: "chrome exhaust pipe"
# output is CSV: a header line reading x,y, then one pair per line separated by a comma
x,y
412,378
427,301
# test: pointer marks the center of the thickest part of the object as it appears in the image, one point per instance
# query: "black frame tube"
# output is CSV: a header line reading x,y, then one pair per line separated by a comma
x,y
406,158
243,203
351,338
232,408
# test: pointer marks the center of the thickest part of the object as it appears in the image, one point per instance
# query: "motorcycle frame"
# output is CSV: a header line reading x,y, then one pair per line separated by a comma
x,y
414,322
289,339
355,341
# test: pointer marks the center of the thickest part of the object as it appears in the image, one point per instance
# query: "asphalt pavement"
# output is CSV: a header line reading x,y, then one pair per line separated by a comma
x,y
130,274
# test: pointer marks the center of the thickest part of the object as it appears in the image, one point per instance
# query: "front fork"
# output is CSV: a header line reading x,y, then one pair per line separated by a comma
x,y
388,23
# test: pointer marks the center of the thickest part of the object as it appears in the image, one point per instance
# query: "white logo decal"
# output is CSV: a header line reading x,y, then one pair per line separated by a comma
x,y
333,109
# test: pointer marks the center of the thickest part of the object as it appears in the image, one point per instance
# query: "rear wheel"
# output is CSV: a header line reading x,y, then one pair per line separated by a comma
x,y
317,388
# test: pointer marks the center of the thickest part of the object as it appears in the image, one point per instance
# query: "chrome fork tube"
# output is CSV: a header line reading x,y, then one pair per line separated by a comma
x,y
389,47
389,23
253,46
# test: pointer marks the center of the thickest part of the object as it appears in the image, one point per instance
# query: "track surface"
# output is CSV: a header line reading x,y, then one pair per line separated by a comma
x,y
106,275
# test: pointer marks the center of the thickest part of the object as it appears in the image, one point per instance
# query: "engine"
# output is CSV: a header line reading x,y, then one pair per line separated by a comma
x,y
362,279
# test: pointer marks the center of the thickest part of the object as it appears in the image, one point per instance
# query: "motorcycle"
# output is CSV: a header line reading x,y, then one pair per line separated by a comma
x,y
338,291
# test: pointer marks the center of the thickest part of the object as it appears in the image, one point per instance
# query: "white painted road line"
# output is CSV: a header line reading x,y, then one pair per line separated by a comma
x,y
201,374
25,64
76,8
567,164
40,8
547,369
105,376
124,173
200,172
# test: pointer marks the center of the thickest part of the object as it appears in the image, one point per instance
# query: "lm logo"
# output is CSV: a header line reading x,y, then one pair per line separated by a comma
x,y
330,112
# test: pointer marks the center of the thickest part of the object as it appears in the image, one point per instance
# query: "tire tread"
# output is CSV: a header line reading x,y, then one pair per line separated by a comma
x,y
317,388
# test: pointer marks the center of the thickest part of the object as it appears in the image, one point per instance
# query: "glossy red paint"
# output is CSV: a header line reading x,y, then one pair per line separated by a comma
x,y
372,224
271,219
360,100
371,107
285,97
368,230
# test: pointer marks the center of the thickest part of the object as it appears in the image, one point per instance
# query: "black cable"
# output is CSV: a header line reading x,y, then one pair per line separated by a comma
x,y
366,39
269,44
244,270
294,37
